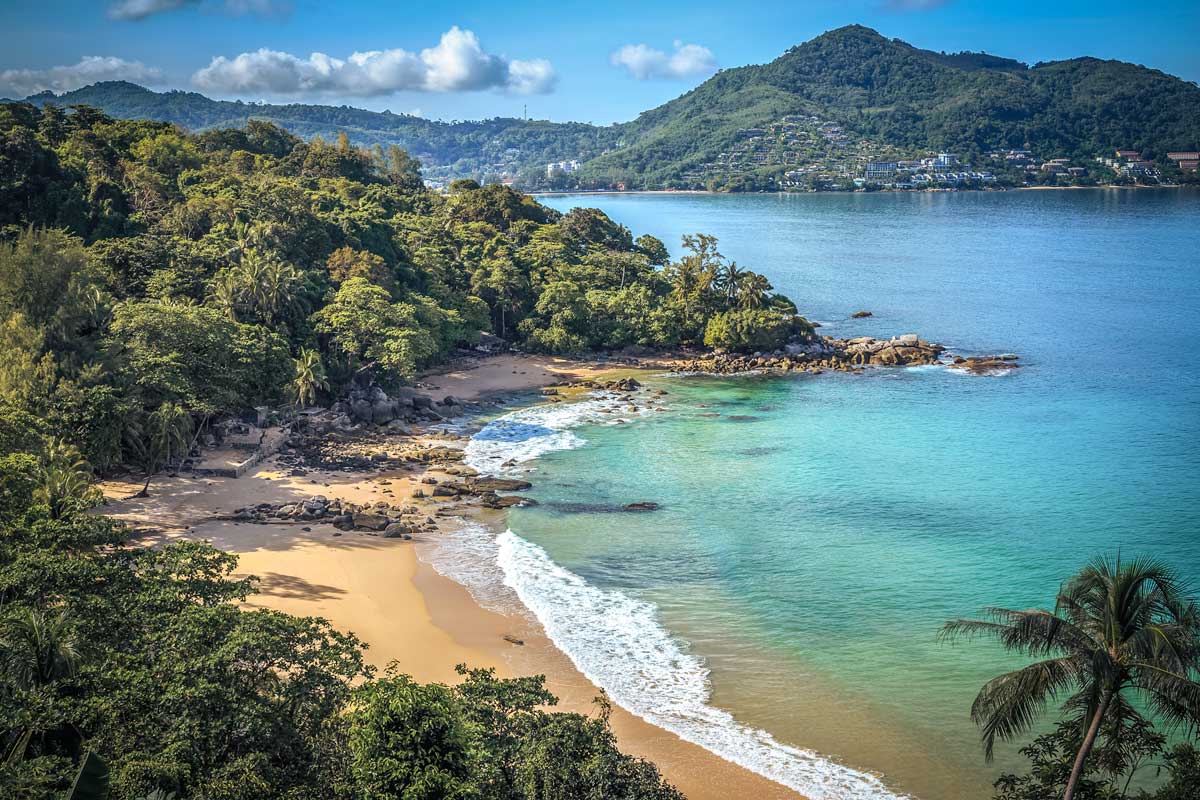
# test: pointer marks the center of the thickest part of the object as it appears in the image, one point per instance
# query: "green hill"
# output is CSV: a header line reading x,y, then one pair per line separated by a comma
x,y
896,95
845,97
448,149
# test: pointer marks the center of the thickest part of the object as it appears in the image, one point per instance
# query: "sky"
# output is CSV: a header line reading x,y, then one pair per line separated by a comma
x,y
598,62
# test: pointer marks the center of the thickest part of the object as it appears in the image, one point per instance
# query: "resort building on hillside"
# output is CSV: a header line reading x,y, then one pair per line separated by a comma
x,y
1187,160
877,170
561,167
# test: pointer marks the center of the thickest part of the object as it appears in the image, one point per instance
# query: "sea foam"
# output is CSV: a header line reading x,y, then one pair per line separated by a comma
x,y
614,638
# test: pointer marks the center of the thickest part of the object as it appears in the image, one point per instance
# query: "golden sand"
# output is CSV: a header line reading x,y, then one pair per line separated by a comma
x,y
381,591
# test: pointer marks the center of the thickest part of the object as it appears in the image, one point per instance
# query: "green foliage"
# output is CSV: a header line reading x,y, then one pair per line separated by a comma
x,y
747,330
203,274
409,742
1114,765
196,356
1122,641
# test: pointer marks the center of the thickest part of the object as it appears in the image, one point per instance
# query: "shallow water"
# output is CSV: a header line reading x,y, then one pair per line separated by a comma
x,y
814,534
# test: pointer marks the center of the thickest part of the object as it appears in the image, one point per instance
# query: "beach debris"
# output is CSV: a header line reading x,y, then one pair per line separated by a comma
x,y
508,637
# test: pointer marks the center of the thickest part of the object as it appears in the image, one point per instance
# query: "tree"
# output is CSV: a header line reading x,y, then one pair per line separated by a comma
x,y
260,286
1120,632
310,377
196,357
409,741
165,435
65,481
37,649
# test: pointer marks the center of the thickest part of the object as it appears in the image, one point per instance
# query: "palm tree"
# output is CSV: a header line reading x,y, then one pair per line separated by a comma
x,y
36,649
729,281
1120,631
310,377
165,434
64,480
754,291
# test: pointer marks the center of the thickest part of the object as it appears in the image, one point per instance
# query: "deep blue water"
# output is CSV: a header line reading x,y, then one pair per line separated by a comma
x,y
808,552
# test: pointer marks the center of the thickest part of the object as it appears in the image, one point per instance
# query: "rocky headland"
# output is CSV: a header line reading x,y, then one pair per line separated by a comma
x,y
844,355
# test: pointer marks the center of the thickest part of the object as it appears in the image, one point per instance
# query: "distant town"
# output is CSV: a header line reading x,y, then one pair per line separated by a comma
x,y
806,153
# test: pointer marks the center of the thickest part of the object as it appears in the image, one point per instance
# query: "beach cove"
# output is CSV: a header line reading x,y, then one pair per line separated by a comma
x,y
387,592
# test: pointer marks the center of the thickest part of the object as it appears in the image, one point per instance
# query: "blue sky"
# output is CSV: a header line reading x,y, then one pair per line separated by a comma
x,y
594,62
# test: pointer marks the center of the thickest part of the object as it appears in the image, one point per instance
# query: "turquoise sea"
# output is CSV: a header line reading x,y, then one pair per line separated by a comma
x,y
782,605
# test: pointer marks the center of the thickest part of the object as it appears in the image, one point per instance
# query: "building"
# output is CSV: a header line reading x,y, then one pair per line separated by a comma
x,y
1188,160
1129,155
878,170
561,167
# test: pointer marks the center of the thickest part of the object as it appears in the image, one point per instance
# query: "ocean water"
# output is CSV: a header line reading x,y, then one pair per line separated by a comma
x,y
781,607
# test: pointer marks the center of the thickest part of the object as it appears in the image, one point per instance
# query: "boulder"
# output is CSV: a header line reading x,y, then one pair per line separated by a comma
x,y
383,411
861,315
370,522
395,530
500,485
361,410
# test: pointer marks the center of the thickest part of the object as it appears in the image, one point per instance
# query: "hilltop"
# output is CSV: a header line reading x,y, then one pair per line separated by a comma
x,y
826,106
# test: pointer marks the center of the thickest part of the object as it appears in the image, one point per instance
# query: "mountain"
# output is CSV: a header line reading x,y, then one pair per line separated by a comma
x,y
449,149
897,95
845,97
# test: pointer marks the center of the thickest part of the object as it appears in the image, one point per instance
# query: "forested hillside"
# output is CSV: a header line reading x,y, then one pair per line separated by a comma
x,y
901,96
883,91
448,149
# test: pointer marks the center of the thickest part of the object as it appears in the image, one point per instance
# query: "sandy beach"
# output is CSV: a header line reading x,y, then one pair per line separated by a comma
x,y
382,590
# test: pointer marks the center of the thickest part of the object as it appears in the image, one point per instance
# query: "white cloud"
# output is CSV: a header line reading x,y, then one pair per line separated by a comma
x,y
140,9
457,64
90,69
645,63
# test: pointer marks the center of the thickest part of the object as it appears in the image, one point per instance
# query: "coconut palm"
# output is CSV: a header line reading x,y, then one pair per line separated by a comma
x,y
310,377
1121,632
754,291
158,438
36,649
64,480
729,281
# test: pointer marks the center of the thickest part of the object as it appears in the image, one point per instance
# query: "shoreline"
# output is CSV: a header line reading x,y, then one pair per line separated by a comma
x,y
617,193
388,593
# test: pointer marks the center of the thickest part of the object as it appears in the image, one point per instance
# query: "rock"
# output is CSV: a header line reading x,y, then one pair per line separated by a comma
x,y
361,410
370,522
509,501
861,315
343,522
383,411
445,490
644,505
421,401
451,400
508,637
396,530
500,485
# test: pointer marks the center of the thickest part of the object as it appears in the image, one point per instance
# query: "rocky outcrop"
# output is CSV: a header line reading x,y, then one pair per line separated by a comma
x,y
374,406
985,365
820,353
374,519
